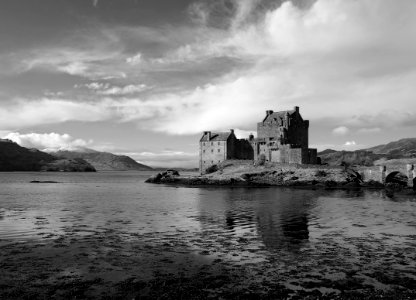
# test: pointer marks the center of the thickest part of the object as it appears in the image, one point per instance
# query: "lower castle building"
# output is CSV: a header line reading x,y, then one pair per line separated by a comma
x,y
281,137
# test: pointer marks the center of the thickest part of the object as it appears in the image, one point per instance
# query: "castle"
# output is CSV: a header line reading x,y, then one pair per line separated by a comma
x,y
281,137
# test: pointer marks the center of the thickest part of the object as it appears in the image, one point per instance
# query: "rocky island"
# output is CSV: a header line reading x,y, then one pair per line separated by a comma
x,y
248,173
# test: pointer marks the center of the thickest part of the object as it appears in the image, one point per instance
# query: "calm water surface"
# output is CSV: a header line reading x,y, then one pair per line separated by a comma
x,y
304,235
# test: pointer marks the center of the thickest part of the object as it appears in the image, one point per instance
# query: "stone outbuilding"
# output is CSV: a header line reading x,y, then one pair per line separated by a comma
x,y
215,147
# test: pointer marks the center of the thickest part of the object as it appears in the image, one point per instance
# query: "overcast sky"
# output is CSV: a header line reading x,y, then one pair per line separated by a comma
x,y
146,77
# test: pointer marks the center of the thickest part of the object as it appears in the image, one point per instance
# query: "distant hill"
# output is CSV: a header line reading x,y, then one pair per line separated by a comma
x,y
104,161
16,158
360,157
327,151
177,169
403,149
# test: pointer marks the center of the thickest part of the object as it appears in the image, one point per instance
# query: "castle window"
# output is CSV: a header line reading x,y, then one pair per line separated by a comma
x,y
212,150
212,143
219,150
219,143
204,151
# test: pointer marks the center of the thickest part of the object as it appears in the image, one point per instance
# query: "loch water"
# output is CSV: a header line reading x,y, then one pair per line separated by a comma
x,y
108,231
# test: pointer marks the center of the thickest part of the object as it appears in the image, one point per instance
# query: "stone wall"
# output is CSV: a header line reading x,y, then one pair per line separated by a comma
x,y
298,156
243,150
211,153
264,149
281,155
287,155
256,150
298,133
268,129
312,156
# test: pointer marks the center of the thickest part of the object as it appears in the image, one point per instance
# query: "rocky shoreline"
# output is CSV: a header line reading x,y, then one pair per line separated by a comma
x,y
246,174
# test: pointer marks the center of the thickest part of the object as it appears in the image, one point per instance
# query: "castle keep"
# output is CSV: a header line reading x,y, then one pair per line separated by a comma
x,y
281,137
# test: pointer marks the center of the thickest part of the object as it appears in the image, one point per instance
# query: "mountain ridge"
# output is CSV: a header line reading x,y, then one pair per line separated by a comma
x,y
105,161
14,157
400,149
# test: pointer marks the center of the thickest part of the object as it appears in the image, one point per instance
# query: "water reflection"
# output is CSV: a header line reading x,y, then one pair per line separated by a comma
x,y
283,221
278,219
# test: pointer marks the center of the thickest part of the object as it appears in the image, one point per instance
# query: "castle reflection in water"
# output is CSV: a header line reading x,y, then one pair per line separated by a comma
x,y
277,219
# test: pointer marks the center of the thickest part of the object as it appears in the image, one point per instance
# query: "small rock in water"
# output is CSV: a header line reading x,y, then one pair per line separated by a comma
x,y
43,181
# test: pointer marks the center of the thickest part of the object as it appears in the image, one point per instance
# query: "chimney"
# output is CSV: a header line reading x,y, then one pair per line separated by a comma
x,y
232,130
296,108
208,133
269,112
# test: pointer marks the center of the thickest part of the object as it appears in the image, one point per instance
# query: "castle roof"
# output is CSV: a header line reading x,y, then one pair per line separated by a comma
x,y
216,136
279,114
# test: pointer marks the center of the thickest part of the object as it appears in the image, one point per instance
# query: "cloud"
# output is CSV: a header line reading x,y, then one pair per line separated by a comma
x,y
134,60
244,134
92,55
95,86
26,113
107,89
369,130
48,142
352,146
350,143
341,130
126,90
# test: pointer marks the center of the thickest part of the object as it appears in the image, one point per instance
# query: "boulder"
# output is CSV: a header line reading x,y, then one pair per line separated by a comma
x,y
154,179
172,172
167,176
